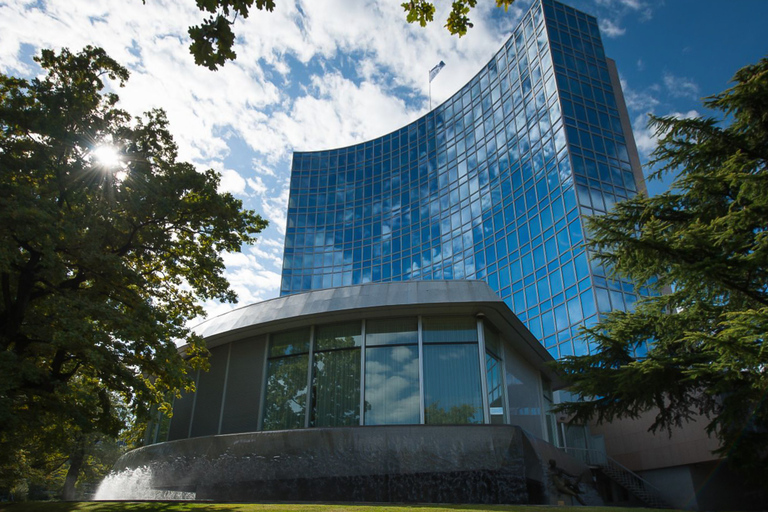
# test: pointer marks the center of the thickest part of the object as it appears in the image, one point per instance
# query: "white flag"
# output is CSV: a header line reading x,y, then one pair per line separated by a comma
x,y
435,70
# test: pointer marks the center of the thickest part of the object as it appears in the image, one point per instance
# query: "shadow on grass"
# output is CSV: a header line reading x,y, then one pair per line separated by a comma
x,y
187,506
109,506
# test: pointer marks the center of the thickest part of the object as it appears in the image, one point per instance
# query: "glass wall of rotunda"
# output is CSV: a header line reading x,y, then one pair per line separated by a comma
x,y
403,370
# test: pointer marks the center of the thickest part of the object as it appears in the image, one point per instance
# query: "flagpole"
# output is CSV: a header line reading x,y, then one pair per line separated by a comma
x,y
432,74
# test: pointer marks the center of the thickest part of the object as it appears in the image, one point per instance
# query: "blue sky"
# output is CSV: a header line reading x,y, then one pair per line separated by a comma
x,y
318,74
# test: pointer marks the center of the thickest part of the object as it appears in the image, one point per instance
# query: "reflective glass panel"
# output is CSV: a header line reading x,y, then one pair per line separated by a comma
x,y
551,422
492,341
338,336
452,393
493,368
336,388
289,343
495,388
449,330
391,331
286,395
391,385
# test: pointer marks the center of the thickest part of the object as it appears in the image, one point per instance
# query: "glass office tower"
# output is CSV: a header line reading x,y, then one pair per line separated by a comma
x,y
493,184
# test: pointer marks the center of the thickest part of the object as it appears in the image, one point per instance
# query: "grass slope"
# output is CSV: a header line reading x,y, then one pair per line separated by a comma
x,y
171,506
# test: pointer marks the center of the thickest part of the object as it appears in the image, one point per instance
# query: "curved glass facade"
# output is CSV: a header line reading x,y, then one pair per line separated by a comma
x,y
491,185
402,370
448,370
405,353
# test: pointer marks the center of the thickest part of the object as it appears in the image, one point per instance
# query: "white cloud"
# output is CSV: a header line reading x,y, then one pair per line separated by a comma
x,y
632,5
254,274
235,259
276,208
681,87
610,14
257,185
266,253
337,113
231,182
642,101
646,139
691,114
259,168
249,285
611,28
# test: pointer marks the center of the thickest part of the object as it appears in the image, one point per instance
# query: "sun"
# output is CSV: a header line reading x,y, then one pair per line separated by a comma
x,y
107,156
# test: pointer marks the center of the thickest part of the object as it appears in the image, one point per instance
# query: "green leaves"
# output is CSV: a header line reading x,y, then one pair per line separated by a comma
x,y
99,273
458,22
420,11
704,243
212,41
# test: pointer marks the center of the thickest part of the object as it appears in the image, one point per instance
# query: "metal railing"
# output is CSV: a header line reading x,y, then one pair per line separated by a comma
x,y
588,456
634,483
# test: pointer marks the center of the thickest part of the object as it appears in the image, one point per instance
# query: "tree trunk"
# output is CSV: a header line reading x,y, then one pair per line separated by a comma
x,y
75,464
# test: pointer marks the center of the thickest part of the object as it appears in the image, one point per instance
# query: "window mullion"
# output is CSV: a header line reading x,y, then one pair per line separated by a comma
x,y
310,368
362,374
421,372
483,370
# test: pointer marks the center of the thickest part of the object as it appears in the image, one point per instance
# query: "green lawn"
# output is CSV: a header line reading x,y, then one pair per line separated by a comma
x,y
167,506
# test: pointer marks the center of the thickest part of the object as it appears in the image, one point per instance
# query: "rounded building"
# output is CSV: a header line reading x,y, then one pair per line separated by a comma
x,y
409,391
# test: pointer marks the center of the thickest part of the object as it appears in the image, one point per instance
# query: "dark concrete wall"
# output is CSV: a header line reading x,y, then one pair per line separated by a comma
x,y
246,378
182,415
710,485
210,389
419,463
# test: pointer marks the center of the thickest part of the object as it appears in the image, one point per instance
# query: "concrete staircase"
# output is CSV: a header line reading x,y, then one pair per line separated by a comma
x,y
631,481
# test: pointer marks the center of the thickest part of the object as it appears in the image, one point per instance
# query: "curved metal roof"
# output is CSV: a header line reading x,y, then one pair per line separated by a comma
x,y
372,300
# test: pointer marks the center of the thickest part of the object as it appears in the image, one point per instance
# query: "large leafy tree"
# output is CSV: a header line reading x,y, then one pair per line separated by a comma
x,y
108,244
213,38
704,242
